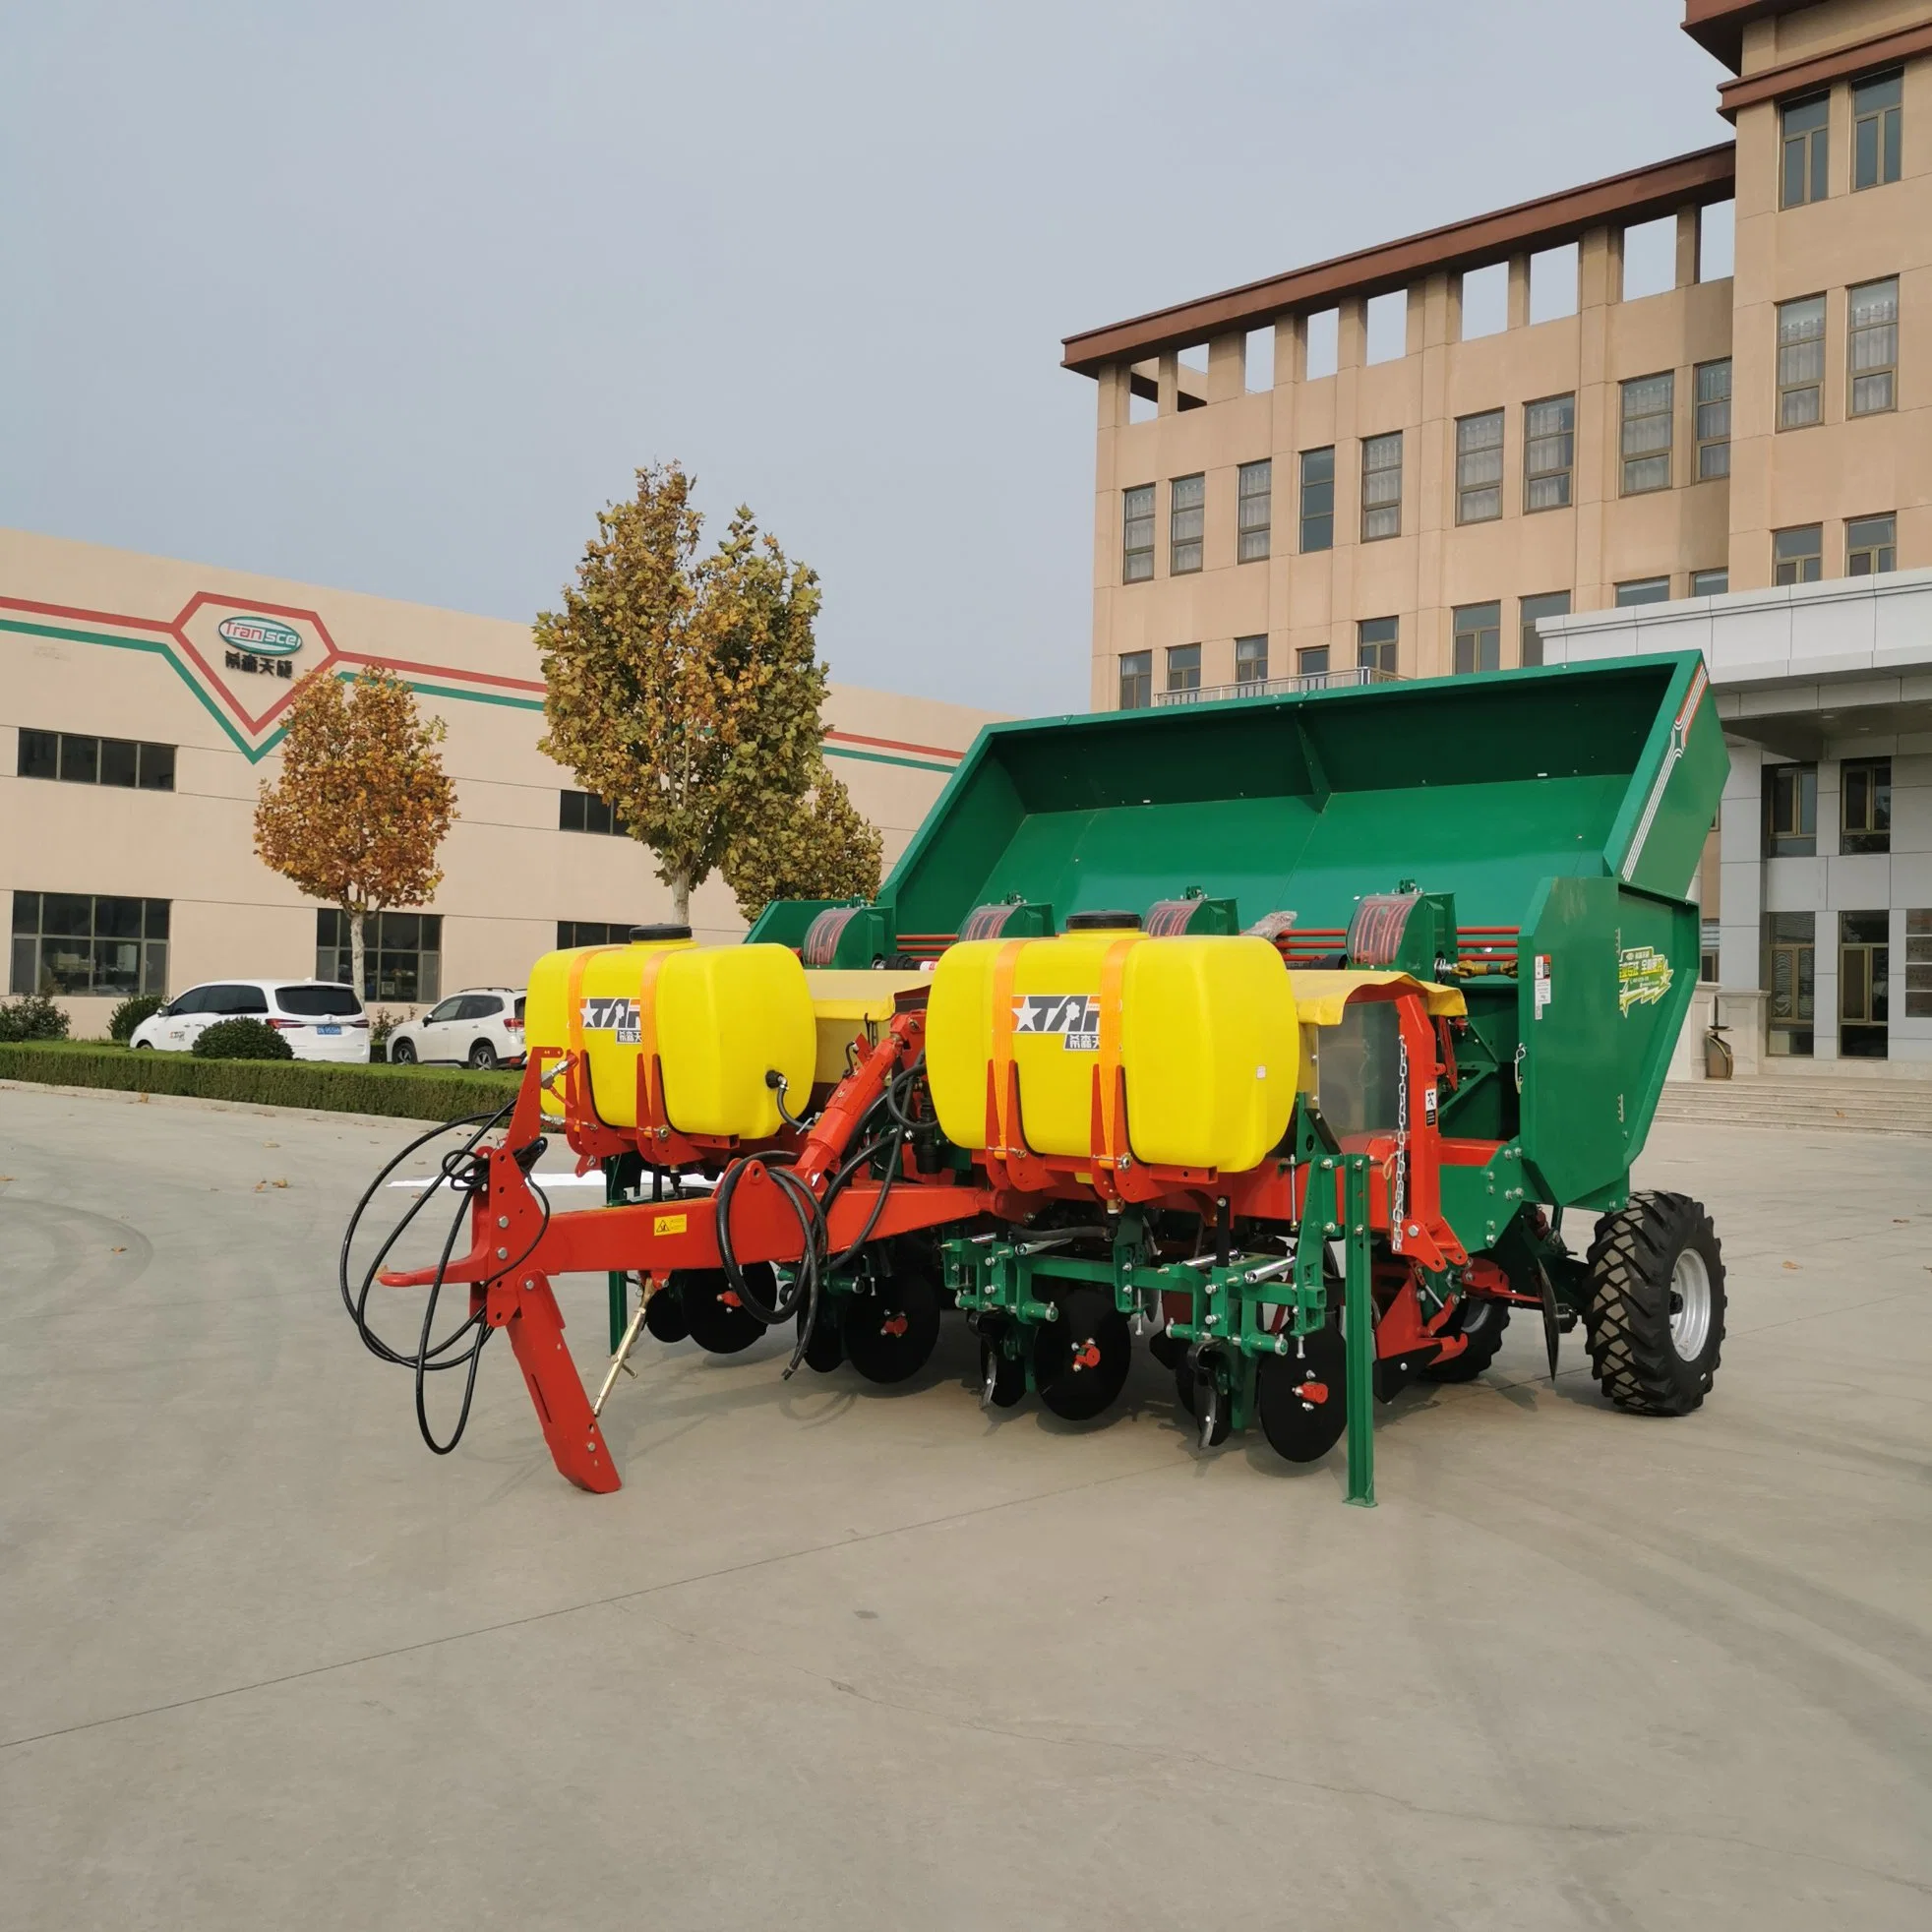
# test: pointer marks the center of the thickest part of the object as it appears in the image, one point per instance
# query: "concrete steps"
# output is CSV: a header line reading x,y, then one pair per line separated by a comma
x,y
1845,1106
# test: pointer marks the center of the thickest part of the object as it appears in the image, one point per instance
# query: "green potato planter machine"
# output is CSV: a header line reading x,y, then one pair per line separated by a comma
x,y
1281,1035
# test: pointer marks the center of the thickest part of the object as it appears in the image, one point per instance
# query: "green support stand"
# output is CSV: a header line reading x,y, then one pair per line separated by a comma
x,y
620,1283
1359,1311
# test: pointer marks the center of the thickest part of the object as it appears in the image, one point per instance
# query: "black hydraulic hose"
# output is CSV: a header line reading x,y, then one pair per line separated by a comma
x,y
457,1168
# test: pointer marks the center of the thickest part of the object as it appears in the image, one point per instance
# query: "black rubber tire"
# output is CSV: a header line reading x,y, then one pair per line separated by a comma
x,y
402,1052
483,1056
890,1333
1303,1402
718,1326
665,1319
1483,1323
1632,1261
1080,1362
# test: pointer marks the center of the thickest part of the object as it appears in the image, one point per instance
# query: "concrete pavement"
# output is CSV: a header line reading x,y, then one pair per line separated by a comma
x,y
846,1658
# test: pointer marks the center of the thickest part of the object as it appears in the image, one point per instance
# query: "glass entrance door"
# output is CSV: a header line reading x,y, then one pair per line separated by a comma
x,y
1792,973
1864,964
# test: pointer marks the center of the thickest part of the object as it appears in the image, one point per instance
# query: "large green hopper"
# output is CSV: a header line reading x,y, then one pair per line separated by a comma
x,y
1562,810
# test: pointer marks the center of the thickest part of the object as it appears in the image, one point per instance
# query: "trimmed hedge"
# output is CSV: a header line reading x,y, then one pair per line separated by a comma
x,y
405,1093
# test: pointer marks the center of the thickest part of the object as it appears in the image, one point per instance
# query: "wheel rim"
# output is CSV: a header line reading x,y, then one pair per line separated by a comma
x,y
1690,1305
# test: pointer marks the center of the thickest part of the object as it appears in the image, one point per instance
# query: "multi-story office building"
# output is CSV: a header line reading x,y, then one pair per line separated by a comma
x,y
1705,377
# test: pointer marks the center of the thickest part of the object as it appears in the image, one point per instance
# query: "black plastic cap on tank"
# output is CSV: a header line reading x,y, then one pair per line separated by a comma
x,y
1102,922
640,934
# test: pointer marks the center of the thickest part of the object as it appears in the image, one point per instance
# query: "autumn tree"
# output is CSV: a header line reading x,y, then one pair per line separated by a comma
x,y
821,847
685,691
362,803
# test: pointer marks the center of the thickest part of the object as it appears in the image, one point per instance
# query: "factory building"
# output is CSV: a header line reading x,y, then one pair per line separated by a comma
x,y
140,705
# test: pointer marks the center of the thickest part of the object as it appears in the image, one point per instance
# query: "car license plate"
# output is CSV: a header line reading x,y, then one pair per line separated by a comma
x,y
328,1030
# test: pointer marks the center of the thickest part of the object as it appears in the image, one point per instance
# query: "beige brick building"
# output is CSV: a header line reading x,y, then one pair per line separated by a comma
x,y
141,704
1352,466
1688,404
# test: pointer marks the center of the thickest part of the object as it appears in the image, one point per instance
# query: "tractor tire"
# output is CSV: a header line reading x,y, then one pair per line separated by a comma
x,y
1655,1319
1483,1323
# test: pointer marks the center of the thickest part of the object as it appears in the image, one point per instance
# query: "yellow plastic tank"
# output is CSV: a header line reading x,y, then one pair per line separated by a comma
x,y
723,1016
1208,1042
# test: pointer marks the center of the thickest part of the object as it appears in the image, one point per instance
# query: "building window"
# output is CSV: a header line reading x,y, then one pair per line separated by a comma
x,y
1186,516
1550,451
1877,128
1184,667
1710,584
1643,590
1648,402
1874,313
77,944
1708,951
1312,662
83,760
586,811
1480,468
1317,500
1865,805
1791,976
1251,660
1136,680
1807,132
401,958
1799,556
573,933
1529,612
1137,533
1791,810
1478,639
1800,362
1871,545
1713,419
1381,487
1864,984
1376,641
1254,513
1918,964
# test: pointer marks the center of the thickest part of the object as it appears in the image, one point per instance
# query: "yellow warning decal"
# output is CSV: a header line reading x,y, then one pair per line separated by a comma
x,y
670,1224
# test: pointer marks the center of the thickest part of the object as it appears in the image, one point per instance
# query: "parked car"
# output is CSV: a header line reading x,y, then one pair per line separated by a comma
x,y
481,1026
318,1018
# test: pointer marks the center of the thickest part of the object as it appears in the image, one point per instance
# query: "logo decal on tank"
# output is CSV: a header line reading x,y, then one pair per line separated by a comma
x,y
1074,1017
618,1016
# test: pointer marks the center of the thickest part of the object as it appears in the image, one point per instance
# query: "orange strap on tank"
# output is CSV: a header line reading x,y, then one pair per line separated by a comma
x,y
574,1015
650,1100
1005,965
1112,1128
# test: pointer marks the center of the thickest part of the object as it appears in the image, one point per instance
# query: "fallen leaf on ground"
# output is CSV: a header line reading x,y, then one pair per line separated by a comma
x,y
1793,1265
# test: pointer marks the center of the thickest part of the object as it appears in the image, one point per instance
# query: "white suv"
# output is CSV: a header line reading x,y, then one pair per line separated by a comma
x,y
482,1027
319,1019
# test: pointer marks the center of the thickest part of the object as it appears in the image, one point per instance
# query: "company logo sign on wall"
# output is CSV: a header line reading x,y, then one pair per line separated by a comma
x,y
266,637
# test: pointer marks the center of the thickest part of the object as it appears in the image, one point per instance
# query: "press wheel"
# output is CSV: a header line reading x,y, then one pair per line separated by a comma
x,y
890,1326
825,1350
720,1324
1303,1402
1080,1362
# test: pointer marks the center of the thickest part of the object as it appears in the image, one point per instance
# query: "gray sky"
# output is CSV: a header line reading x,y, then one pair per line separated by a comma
x,y
395,296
